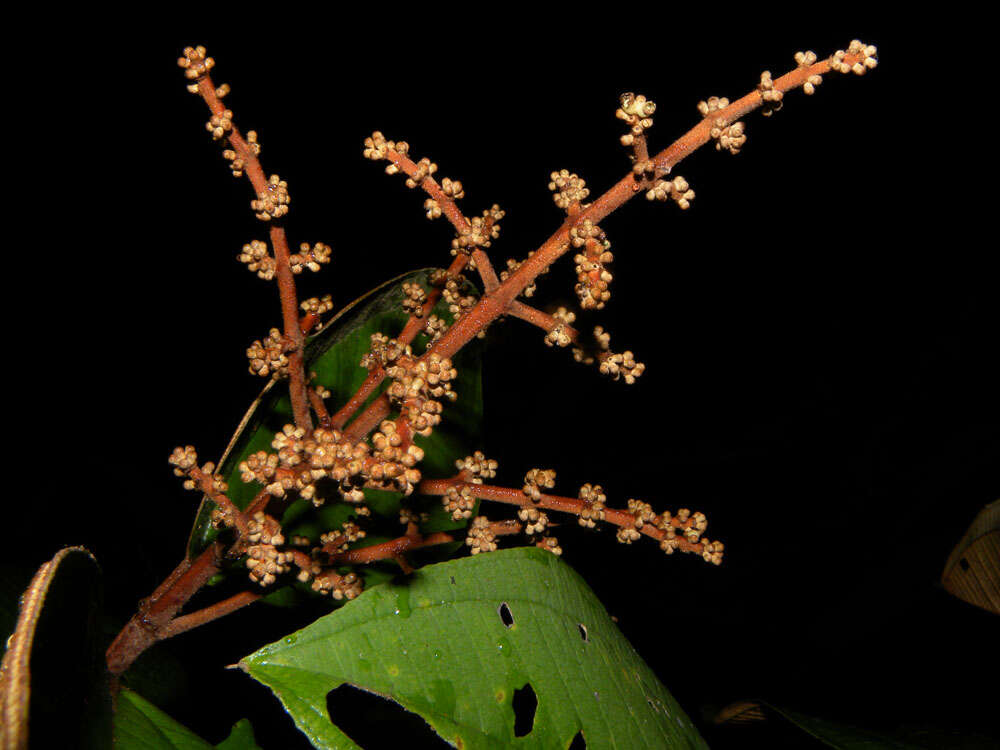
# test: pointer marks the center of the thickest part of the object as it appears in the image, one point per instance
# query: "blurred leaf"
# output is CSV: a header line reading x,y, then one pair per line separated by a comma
x,y
750,715
53,690
142,726
972,572
240,738
14,579
439,644
333,353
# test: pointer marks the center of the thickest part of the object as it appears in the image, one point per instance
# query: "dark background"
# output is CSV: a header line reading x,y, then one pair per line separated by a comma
x,y
819,333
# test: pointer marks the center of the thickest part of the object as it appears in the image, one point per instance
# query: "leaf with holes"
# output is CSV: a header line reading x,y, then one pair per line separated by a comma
x,y
333,353
458,642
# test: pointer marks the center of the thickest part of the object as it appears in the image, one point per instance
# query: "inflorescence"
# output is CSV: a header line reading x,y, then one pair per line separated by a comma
x,y
332,462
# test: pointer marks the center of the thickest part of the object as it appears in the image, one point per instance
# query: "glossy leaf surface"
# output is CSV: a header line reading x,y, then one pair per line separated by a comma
x,y
455,641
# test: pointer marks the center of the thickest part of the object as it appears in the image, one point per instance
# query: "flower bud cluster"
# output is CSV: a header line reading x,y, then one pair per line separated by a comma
x,y
236,162
310,257
394,462
637,113
458,304
537,480
481,231
266,563
481,537
317,305
264,529
220,125
383,351
272,202
414,298
339,587
676,190
268,357
459,502
477,467
728,137
425,168
416,386
535,521
567,188
195,63
857,48
771,96
616,365
549,544
434,328
258,259
592,276
593,511
712,104
377,148
452,188
432,209
335,542
642,513
804,60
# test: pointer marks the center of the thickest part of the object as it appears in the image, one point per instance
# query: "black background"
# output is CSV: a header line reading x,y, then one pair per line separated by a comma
x,y
819,332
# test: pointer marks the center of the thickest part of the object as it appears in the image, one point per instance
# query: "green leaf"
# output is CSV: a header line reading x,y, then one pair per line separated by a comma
x,y
333,353
53,690
240,738
438,646
141,725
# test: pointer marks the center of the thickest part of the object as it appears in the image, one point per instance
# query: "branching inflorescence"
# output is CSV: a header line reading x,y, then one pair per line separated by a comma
x,y
368,443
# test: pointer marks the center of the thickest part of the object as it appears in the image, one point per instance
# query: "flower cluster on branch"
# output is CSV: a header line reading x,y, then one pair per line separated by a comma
x,y
376,448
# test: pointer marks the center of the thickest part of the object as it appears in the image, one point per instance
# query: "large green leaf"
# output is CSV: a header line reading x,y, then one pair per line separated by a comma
x,y
438,644
333,353
53,690
140,725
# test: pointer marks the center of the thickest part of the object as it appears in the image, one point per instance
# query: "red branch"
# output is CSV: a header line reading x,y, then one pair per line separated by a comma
x,y
498,302
285,277
573,505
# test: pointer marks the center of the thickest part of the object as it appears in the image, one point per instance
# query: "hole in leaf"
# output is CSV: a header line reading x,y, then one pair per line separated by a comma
x,y
963,564
372,721
524,703
583,632
578,743
453,579
506,616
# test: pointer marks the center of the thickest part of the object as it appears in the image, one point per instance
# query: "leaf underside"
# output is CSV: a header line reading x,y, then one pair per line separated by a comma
x,y
140,724
53,689
437,644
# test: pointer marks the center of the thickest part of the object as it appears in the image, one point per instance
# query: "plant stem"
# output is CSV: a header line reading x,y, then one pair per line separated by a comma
x,y
146,626
285,277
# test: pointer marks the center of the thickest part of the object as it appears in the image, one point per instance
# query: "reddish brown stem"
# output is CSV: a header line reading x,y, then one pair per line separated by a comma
x,y
498,301
573,505
284,275
413,326
146,626
220,609
392,548
538,318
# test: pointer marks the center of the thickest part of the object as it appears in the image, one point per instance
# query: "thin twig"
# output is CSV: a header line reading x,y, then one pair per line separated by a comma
x,y
286,280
